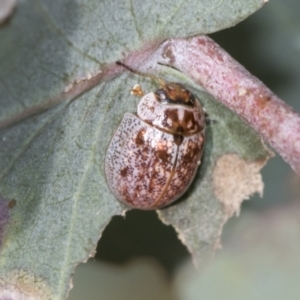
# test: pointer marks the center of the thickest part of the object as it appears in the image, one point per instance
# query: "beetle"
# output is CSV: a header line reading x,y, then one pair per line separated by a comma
x,y
153,155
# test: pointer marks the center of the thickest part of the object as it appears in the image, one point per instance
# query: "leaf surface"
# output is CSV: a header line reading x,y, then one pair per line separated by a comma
x,y
53,195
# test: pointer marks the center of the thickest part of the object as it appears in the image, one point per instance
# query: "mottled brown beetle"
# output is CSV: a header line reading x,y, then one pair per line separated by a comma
x,y
154,155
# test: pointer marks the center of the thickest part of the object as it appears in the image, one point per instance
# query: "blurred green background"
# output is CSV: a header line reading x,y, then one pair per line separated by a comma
x,y
138,257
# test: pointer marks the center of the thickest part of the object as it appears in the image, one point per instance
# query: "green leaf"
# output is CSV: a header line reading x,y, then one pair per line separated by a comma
x,y
53,193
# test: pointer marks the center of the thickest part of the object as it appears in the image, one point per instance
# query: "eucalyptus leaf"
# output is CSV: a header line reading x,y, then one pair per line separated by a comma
x,y
53,194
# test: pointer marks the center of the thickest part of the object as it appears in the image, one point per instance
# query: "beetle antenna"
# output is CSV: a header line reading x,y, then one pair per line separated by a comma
x,y
159,80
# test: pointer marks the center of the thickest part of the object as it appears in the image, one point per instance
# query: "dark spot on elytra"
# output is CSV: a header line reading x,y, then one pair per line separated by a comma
x,y
194,150
141,176
140,138
146,150
163,155
153,183
124,172
137,189
143,166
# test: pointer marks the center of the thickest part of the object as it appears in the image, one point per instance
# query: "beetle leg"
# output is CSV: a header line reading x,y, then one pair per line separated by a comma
x,y
208,120
137,91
